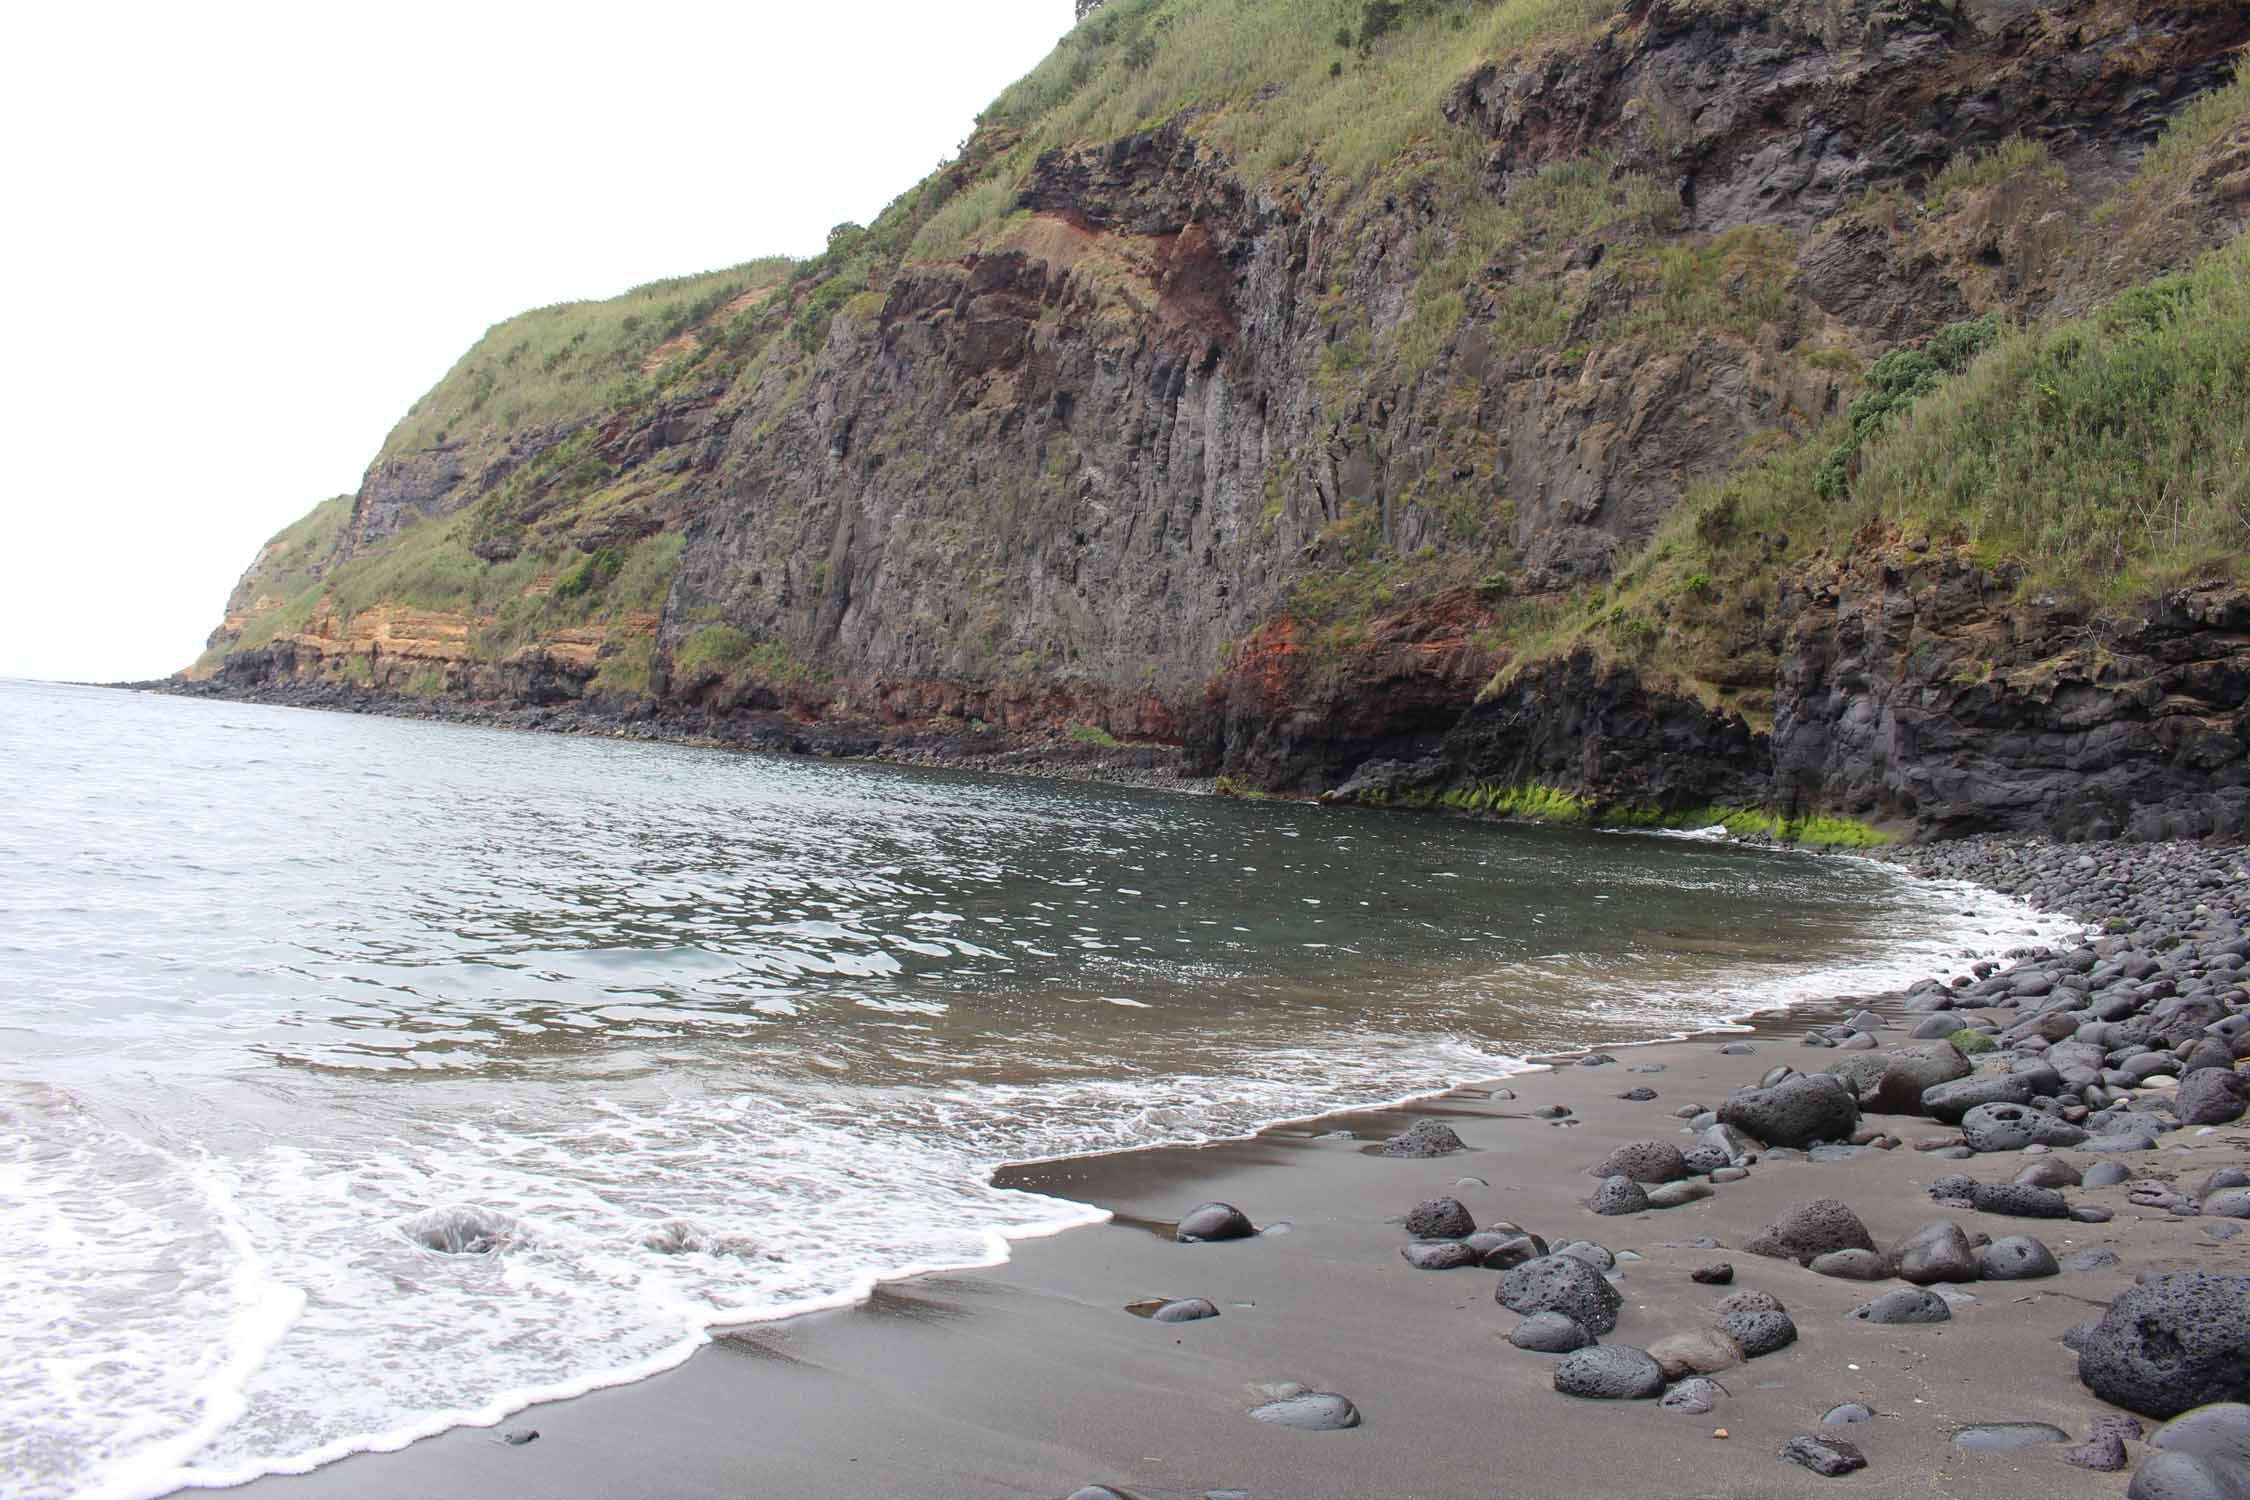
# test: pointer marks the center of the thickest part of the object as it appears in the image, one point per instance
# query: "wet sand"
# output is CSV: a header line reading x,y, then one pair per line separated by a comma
x,y
1031,1379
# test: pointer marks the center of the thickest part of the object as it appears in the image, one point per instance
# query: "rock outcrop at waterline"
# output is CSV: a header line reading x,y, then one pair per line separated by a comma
x,y
1174,438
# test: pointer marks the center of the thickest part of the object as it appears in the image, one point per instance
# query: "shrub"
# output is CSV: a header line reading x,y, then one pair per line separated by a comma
x,y
591,574
714,648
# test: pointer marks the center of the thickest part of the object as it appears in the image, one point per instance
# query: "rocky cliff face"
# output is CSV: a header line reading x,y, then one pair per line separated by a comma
x,y
1279,468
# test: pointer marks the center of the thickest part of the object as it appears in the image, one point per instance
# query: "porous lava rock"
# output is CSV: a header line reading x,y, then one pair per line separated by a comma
x,y
1803,1232
1797,1112
1564,1284
2171,1344
1424,1138
1642,1161
1440,1219
1610,1372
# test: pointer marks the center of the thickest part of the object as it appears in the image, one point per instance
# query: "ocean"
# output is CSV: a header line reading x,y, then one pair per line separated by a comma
x,y
361,1078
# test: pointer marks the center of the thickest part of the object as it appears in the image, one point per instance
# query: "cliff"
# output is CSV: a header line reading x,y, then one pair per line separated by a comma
x,y
1696,406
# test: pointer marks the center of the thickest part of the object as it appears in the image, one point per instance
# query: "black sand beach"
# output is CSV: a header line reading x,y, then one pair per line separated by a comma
x,y
1033,1379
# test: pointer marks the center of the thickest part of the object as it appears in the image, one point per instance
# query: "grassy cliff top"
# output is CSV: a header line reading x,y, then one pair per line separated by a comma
x,y
1338,91
575,360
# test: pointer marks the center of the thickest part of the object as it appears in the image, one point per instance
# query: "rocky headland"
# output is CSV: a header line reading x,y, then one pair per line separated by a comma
x,y
1820,412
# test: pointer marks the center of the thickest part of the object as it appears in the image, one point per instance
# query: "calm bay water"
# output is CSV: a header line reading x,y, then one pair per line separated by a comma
x,y
359,1078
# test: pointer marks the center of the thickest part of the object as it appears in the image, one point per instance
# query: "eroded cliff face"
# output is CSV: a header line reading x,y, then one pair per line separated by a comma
x,y
1268,471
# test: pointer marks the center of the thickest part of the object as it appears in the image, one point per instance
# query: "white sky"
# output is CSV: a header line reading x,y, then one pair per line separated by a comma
x,y
240,239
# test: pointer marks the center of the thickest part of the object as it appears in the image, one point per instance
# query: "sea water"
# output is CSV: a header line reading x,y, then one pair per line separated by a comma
x,y
362,1077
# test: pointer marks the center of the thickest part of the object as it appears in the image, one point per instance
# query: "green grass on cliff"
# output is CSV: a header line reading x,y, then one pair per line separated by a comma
x,y
574,360
2199,124
1340,87
2109,457
281,588
2106,458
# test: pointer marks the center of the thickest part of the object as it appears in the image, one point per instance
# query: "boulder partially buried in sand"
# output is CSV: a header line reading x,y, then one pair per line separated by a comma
x,y
1610,1372
1424,1138
1642,1161
1213,1221
1564,1284
1892,1083
1803,1232
1618,1195
1796,1112
1440,1219
2172,1344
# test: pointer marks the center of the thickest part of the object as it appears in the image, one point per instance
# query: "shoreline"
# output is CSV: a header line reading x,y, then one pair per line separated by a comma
x,y
935,746
1137,1187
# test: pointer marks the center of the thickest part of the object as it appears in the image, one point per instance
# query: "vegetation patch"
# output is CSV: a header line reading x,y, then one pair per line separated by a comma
x,y
566,363
2106,458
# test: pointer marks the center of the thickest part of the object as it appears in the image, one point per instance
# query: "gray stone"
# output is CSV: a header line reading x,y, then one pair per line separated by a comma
x,y
1749,1299
2183,1476
1186,1310
1610,1372
1852,1265
1564,1284
1893,1083
2122,1140
2221,1180
2091,1260
2018,1257
1677,1194
1804,1231
2011,1127
2104,1453
2049,1172
1722,1137
1213,1221
1314,1411
2171,1344
1441,1255
1759,1333
2019,1201
1549,1333
1938,1251
1514,1251
1906,1305
1798,1112
2219,1431
1694,1397
2234,1203
1831,1458
1719,1273
1642,1161
1849,1414
1597,1256
1422,1139
1440,1219
2107,1174
1951,1101
1619,1195
1700,1351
